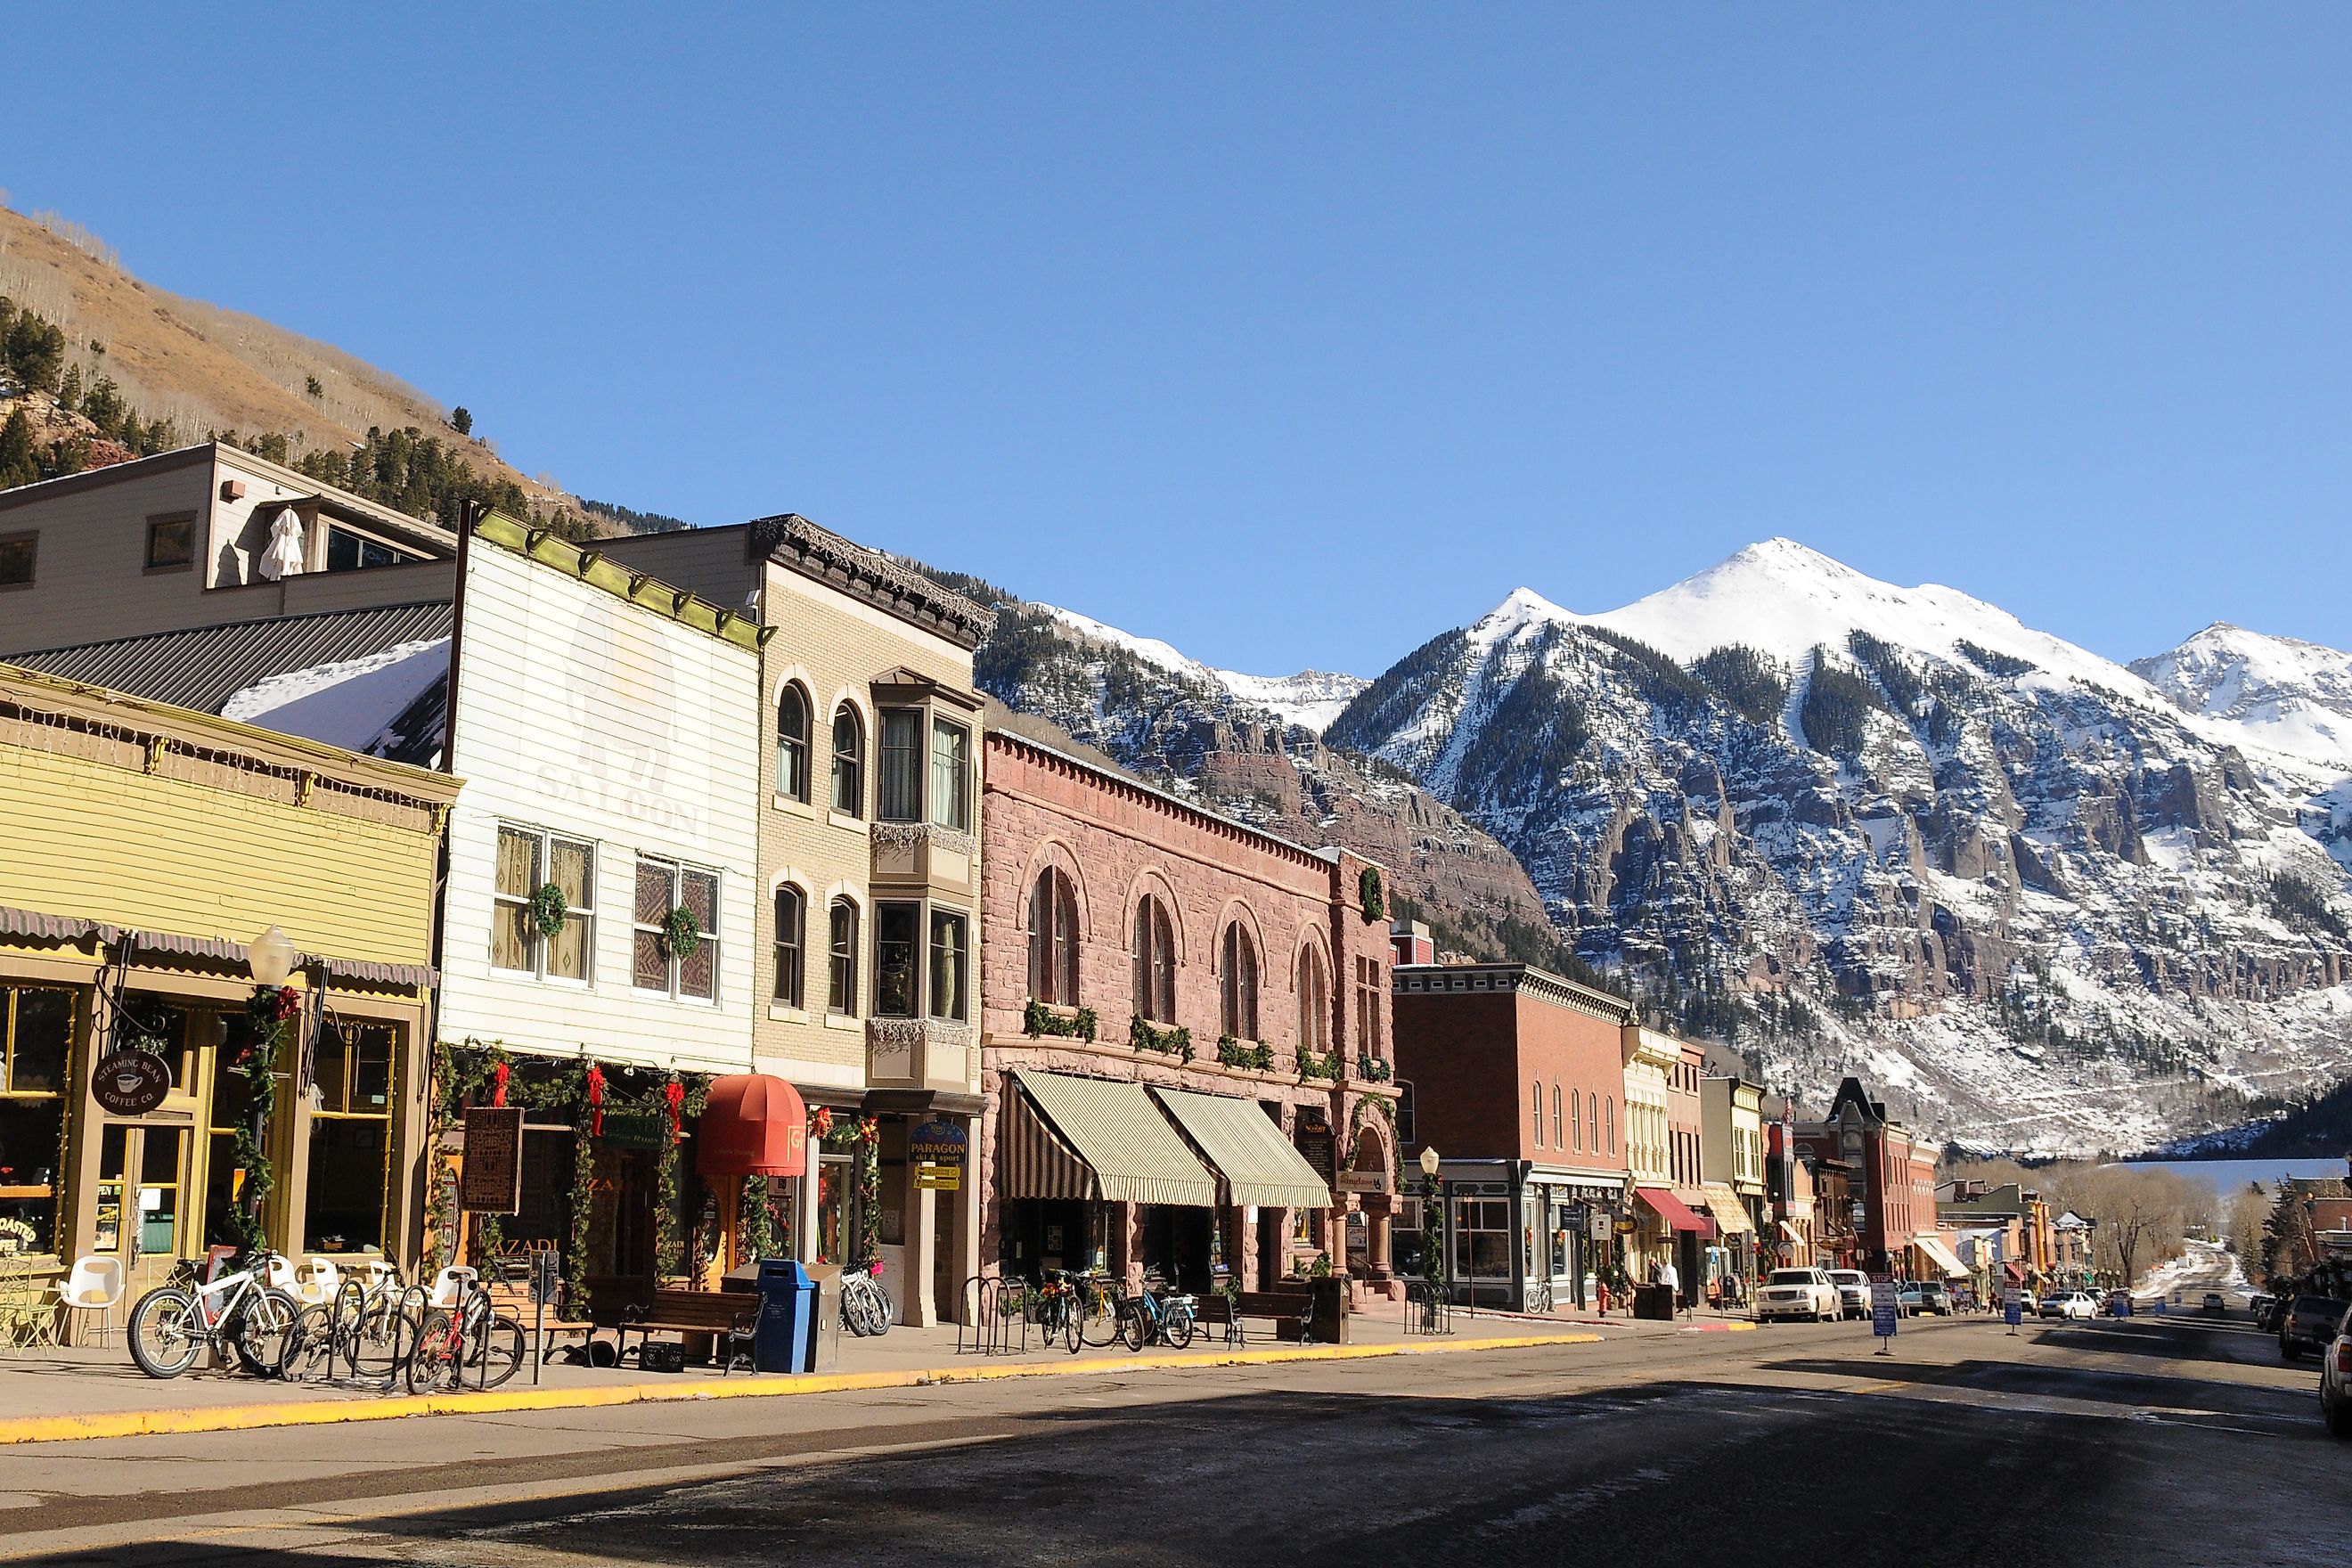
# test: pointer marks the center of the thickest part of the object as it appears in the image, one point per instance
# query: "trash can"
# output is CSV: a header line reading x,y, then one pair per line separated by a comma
x,y
1655,1302
781,1338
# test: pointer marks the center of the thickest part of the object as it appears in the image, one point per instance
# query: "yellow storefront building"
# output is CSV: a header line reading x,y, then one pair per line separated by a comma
x,y
155,864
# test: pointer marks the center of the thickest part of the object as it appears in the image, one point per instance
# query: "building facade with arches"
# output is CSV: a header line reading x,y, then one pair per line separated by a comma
x,y
1186,1037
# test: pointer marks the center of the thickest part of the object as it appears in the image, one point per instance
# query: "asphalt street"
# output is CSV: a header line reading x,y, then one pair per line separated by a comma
x,y
2152,1440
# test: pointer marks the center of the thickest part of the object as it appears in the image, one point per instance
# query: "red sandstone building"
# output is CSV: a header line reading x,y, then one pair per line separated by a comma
x,y
1517,1077
1896,1182
1184,1036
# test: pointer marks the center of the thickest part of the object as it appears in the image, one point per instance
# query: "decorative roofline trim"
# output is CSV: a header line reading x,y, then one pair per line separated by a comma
x,y
1426,979
822,556
539,545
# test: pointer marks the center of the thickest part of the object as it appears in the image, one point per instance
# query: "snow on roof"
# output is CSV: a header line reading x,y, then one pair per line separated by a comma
x,y
350,703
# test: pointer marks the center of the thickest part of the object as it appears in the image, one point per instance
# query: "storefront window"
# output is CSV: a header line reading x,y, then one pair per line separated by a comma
x,y
229,1107
832,1239
36,1040
351,1139
1482,1238
151,1024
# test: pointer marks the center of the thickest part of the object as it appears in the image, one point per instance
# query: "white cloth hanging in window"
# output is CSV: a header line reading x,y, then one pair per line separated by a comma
x,y
285,555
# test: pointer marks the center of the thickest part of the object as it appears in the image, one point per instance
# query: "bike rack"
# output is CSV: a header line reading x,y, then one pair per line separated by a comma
x,y
1428,1308
988,1328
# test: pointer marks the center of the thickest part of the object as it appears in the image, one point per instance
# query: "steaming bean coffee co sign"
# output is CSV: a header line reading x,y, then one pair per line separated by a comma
x,y
129,1081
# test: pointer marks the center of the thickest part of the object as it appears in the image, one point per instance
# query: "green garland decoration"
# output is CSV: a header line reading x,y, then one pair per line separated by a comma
x,y
1374,896
271,1012
863,1134
583,1193
547,910
679,931
1145,1036
1325,1066
1375,1069
1037,1019
1233,1051
757,1234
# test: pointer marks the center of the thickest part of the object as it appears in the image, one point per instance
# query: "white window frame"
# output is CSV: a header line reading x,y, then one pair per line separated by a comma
x,y
543,863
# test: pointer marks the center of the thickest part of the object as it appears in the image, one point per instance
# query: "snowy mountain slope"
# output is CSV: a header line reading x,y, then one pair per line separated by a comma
x,y
1840,821
1309,699
2289,696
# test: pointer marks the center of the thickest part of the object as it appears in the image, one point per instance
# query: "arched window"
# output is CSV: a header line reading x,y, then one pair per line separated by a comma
x,y
792,742
1237,961
1314,1003
1576,1124
1155,960
1535,1092
842,993
1053,939
848,761
792,933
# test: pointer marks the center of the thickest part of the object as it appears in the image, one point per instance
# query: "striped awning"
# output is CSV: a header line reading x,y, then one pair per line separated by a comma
x,y
1090,1138
1932,1248
1247,1150
1730,1213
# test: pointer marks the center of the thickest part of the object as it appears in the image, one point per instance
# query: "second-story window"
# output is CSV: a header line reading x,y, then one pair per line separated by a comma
x,y
950,775
660,961
1314,1002
1237,983
529,862
1053,939
1367,1004
1534,1095
1559,1139
792,742
841,992
848,761
897,952
1155,960
950,954
902,765
791,934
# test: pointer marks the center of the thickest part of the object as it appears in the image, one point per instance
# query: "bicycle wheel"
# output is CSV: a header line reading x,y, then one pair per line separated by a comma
x,y
380,1345
867,1306
1072,1338
1097,1317
434,1357
495,1352
167,1333
266,1335
314,1342
1176,1325
1134,1328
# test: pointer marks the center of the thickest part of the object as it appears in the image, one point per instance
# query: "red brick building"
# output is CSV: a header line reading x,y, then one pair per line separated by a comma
x,y
1897,1180
1685,1128
1184,1035
1516,1080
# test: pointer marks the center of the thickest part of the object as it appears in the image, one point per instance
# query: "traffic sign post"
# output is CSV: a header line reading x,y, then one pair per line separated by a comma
x,y
1884,1310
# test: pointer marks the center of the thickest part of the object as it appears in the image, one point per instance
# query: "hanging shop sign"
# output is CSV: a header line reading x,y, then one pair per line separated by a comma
x,y
1315,1144
636,1126
130,1082
492,1183
936,1149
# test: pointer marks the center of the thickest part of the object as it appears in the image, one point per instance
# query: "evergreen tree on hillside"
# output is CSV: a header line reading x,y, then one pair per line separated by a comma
x,y
18,463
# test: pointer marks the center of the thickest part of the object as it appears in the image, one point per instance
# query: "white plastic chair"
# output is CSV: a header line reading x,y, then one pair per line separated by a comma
x,y
95,1285
448,1286
316,1280
281,1275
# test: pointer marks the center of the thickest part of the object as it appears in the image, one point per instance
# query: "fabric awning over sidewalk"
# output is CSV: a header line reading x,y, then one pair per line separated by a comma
x,y
1088,1138
1671,1209
1790,1232
1730,1213
1941,1256
1245,1148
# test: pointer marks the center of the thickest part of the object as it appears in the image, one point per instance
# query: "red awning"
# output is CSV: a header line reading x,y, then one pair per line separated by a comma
x,y
1673,1210
752,1125
2013,1273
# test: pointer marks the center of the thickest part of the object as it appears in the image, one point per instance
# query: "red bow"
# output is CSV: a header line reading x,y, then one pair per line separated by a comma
x,y
675,1093
499,1086
595,1101
289,1002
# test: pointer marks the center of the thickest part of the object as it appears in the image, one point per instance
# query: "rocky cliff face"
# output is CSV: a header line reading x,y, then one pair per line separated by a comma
x,y
1840,823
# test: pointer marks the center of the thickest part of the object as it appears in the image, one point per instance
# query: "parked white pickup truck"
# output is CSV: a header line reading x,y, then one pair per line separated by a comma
x,y
1804,1293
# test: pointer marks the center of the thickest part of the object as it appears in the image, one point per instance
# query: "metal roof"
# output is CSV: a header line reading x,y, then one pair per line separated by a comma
x,y
203,667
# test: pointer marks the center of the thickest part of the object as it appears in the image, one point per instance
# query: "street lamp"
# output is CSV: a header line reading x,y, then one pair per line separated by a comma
x,y
270,958
1432,1234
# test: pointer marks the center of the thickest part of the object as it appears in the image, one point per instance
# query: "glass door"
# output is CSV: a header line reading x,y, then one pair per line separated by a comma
x,y
143,1179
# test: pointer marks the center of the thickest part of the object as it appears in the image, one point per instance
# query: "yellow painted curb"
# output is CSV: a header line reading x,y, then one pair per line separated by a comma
x,y
322,1413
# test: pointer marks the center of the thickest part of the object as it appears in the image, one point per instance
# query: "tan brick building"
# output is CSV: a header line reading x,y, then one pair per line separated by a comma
x,y
1184,1027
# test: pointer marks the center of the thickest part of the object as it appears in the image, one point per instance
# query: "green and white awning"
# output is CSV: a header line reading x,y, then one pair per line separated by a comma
x,y
1248,1152
1094,1139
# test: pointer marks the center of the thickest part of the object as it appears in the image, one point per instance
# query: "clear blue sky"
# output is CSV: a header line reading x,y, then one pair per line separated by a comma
x,y
1297,339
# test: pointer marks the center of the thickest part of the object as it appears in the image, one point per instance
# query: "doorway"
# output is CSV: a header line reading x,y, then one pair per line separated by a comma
x,y
142,1212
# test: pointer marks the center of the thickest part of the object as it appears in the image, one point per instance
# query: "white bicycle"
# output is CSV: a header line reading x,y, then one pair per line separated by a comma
x,y
241,1312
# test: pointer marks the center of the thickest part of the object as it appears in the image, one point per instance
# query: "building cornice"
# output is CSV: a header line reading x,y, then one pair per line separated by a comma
x,y
1518,979
822,556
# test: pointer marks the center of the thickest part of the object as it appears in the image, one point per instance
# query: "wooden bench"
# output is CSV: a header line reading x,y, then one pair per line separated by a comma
x,y
512,1298
726,1316
1292,1312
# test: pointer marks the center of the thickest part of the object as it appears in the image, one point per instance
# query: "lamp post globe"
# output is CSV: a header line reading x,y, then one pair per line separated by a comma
x,y
1429,1161
270,958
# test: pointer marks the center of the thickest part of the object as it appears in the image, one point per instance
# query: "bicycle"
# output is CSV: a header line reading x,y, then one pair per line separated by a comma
x,y
1097,1307
1060,1311
468,1332
180,1320
1539,1299
865,1307
364,1329
1155,1313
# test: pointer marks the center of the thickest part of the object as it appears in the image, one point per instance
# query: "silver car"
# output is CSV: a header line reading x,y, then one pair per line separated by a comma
x,y
2336,1379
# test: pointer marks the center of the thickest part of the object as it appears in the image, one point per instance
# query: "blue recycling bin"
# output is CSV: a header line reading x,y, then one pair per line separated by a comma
x,y
784,1338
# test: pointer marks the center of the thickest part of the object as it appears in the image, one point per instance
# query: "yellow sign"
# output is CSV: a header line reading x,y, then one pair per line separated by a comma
x,y
939,1178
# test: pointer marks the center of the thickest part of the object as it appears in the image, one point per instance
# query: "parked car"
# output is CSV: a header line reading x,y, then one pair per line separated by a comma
x,y
2076,1304
1853,1292
2336,1379
1805,1293
1930,1296
2308,1323
2214,1305
2264,1308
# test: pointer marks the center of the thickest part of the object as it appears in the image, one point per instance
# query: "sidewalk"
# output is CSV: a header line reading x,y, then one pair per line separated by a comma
x,y
97,1392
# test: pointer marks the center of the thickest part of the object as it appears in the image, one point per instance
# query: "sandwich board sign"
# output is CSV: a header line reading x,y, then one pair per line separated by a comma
x,y
1883,1308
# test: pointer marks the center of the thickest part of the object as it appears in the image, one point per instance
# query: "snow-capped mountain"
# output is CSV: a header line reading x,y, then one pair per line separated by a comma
x,y
1853,825
2288,696
1310,700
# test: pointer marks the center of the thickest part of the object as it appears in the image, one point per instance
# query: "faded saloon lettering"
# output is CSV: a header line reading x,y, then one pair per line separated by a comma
x,y
622,696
